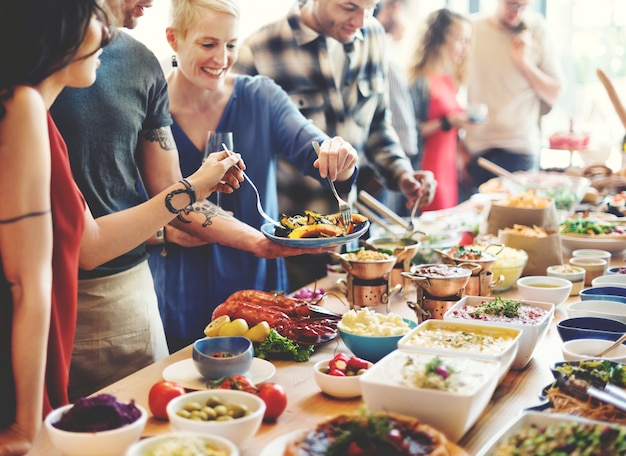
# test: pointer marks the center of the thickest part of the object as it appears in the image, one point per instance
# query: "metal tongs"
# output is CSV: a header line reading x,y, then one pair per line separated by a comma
x,y
611,394
370,206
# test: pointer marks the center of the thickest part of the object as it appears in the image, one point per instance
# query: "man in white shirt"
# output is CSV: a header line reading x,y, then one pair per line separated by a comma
x,y
513,70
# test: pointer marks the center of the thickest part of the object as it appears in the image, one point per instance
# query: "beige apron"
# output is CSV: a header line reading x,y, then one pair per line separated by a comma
x,y
118,331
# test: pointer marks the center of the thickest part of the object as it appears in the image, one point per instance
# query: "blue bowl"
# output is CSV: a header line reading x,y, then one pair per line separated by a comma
x,y
590,328
240,354
607,293
616,270
372,348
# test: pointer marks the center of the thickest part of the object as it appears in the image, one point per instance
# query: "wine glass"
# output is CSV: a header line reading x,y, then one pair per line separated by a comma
x,y
215,139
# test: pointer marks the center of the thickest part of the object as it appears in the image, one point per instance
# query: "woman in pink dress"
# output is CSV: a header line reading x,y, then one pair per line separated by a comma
x,y
434,80
46,229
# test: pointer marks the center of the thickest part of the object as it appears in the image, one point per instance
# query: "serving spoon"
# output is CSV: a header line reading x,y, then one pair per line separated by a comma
x,y
613,346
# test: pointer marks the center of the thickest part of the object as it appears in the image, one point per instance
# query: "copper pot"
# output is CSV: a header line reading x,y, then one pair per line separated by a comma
x,y
486,260
441,280
366,270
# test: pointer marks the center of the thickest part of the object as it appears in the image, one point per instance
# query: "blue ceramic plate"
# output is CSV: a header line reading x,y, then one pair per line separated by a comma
x,y
313,243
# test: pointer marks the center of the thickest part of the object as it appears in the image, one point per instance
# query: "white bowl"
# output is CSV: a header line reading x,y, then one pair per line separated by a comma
x,y
237,430
544,289
384,388
532,333
467,339
597,308
336,386
574,274
612,280
105,443
147,446
580,349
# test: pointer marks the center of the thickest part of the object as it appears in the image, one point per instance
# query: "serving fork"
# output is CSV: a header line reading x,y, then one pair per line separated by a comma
x,y
344,208
258,197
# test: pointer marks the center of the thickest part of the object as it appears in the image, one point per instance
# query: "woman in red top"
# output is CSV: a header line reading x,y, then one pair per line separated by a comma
x,y
46,230
434,80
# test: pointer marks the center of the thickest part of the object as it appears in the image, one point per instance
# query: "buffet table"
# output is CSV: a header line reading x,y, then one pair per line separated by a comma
x,y
307,405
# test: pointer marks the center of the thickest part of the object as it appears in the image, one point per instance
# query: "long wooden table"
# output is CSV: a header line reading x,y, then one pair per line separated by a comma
x,y
307,405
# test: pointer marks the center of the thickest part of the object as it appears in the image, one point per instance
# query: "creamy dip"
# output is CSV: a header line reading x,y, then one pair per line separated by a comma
x,y
463,376
464,341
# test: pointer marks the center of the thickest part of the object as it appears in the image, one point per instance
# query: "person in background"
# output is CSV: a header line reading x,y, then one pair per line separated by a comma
x,y
434,80
205,95
513,69
118,135
329,56
393,16
45,234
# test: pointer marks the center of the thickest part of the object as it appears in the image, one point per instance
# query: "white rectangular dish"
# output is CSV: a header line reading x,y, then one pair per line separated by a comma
x,y
532,332
405,382
540,420
465,338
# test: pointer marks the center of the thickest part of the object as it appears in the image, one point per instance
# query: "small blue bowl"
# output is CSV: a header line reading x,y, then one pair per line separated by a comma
x,y
240,353
604,293
372,348
590,328
616,270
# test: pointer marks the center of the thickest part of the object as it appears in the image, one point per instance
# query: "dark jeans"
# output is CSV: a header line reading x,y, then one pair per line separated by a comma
x,y
510,161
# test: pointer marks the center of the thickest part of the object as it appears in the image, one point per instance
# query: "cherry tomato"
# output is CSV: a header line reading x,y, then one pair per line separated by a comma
x,y
160,395
275,399
234,382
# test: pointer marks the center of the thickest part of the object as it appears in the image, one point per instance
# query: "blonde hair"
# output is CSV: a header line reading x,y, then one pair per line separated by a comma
x,y
183,12
429,51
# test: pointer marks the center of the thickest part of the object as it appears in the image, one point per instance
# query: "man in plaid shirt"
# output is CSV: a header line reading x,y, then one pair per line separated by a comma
x,y
329,56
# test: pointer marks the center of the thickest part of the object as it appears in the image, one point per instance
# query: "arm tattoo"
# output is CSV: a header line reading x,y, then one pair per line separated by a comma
x,y
23,216
160,135
204,207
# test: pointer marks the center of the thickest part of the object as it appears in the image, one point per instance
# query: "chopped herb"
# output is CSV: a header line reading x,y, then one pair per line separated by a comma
x,y
499,307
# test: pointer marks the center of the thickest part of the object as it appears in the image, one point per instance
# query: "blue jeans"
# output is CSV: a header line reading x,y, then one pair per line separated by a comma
x,y
510,161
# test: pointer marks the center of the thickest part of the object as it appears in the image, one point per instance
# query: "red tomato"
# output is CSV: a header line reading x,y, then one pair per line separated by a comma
x,y
160,395
275,399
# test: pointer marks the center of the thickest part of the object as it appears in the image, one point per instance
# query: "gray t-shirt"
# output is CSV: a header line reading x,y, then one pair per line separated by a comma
x,y
101,126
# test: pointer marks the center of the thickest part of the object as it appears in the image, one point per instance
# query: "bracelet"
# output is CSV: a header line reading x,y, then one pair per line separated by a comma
x,y
160,235
445,124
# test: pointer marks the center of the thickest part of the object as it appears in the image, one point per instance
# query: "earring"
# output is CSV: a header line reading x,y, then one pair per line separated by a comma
x,y
174,61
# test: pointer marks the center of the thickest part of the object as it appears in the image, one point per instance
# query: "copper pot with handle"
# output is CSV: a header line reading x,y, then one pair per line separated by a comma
x,y
441,280
468,254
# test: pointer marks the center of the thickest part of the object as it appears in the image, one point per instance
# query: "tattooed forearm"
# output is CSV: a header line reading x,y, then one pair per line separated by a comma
x,y
204,207
161,135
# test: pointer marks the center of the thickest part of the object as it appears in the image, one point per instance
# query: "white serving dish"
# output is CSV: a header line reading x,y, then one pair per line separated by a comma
x,y
453,413
340,387
146,446
104,443
582,349
531,334
597,308
609,280
528,418
544,288
613,245
238,430
451,333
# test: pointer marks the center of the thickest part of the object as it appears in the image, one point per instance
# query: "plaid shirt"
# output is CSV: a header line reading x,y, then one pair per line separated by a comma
x,y
297,58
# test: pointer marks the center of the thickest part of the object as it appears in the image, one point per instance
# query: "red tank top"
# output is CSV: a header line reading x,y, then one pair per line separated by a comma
x,y
68,207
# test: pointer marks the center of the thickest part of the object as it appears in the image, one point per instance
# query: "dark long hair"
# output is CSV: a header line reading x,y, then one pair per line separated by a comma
x,y
40,37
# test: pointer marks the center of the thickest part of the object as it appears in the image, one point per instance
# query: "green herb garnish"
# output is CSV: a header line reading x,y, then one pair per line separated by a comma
x,y
499,307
